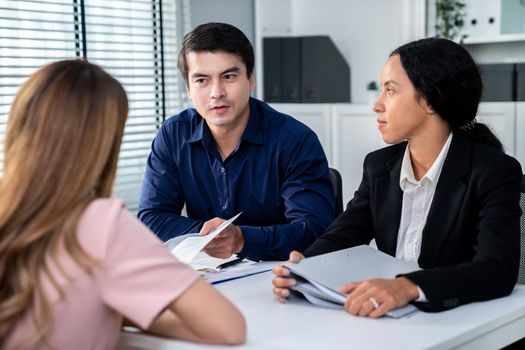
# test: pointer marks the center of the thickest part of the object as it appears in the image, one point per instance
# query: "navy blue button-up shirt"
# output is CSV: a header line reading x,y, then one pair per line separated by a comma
x,y
277,176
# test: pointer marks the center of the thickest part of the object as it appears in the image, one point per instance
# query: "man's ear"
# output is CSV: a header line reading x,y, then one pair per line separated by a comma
x,y
252,82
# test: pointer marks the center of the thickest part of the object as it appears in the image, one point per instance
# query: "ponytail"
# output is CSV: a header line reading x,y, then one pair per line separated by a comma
x,y
480,133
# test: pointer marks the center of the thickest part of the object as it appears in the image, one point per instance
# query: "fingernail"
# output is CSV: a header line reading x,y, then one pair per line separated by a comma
x,y
285,293
286,272
292,282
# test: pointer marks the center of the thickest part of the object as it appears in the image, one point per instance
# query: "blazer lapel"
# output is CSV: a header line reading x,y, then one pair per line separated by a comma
x,y
388,199
447,200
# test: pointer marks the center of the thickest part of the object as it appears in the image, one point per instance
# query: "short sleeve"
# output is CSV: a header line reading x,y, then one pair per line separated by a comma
x,y
139,277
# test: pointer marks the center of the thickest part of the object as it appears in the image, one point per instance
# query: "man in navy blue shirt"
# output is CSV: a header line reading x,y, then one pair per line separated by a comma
x,y
234,153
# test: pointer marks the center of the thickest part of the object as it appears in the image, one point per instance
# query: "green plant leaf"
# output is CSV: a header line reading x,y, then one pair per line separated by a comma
x,y
450,18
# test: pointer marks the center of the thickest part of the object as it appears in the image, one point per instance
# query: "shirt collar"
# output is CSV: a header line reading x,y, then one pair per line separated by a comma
x,y
198,130
432,175
407,173
254,131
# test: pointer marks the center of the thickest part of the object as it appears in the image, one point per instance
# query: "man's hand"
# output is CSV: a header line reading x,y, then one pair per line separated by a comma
x,y
229,241
282,282
386,294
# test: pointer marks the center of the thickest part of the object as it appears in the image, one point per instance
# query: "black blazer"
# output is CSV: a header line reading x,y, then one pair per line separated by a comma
x,y
470,245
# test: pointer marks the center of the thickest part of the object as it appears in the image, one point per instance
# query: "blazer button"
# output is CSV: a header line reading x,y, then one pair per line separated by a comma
x,y
450,303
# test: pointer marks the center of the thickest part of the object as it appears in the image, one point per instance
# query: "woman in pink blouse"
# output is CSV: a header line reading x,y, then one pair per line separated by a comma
x,y
73,261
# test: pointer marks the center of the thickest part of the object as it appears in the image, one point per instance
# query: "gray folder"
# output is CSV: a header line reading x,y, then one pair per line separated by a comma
x,y
335,269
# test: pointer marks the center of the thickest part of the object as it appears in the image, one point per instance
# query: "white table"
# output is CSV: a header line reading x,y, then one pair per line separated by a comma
x,y
300,325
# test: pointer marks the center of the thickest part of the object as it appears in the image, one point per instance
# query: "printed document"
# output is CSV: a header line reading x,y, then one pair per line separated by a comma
x,y
187,247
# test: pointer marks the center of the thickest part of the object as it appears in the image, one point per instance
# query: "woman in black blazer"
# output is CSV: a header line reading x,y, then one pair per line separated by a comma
x,y
444,195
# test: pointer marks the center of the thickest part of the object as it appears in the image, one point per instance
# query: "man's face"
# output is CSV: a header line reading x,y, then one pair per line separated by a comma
x,y
219,87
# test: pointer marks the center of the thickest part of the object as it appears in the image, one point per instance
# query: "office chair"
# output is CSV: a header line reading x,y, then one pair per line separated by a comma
x,y
520,344
521,274
337,183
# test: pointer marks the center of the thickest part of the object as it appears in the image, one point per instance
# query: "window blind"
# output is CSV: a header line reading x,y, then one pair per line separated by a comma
x,y
135,41
32,33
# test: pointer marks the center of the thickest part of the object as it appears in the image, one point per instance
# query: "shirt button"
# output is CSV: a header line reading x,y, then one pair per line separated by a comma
x,y
225,206
223,170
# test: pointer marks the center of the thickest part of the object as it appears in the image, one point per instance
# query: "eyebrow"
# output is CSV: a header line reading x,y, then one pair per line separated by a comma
x,y
391,82
229,70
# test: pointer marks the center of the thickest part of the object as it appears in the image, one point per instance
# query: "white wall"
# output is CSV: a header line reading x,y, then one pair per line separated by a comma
x,y
364,31
239,13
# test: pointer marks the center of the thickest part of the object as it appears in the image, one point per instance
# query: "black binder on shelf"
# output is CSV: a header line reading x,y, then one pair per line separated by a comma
x,y
326,75
310,69
291,63
498,82
273,72
520,82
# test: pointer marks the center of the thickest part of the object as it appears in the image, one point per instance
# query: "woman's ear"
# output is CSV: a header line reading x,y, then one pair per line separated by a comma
x,y
426,106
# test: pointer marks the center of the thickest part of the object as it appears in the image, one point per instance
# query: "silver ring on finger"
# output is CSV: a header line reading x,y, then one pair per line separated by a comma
x,y
374,302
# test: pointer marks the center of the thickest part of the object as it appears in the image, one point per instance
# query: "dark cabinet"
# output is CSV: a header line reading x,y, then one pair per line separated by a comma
x,y
503,82
498,82
307,69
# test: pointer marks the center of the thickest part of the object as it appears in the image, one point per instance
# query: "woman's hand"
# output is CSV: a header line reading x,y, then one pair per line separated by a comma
x,y
374,298
282,282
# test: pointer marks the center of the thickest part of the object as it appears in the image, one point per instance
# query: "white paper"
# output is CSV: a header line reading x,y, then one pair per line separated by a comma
x,y
205,262
337,296
309,290
173,242
190,247
312,298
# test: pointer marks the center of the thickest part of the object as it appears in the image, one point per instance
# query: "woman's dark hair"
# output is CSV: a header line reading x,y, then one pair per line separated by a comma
x,y
445,74
214,37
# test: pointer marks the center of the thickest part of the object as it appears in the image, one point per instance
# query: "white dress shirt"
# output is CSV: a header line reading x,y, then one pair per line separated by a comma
x,y
417,198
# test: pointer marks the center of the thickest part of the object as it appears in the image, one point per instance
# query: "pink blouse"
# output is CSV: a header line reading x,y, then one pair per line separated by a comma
x,y
135,276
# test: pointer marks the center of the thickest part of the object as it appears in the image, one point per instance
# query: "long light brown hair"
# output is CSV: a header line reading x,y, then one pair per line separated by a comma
x,y
61,150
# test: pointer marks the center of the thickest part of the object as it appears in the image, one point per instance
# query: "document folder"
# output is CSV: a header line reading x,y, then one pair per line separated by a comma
x,y
319,277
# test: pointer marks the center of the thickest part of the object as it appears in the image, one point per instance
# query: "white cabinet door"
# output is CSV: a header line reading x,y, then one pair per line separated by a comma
x,y
317,116
520,133
355,135
501,119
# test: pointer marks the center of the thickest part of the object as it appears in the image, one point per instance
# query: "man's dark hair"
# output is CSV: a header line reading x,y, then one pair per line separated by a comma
x,y
445,74
214,37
